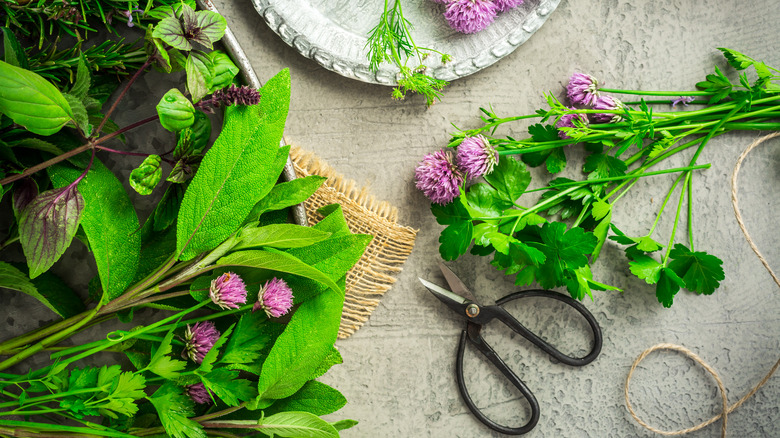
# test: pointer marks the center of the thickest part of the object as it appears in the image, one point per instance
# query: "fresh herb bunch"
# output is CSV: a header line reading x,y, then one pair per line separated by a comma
x,y
391,41
554,241
217,238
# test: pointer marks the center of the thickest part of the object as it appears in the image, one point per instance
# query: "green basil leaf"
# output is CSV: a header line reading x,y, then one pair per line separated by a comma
x,y
193,140
80,115
47,226
176,111
200,74
224,70
236,172
110,223
83,80
31,101
144,178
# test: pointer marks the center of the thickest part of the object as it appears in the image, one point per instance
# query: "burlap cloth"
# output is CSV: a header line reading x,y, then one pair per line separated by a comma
x,y
373,275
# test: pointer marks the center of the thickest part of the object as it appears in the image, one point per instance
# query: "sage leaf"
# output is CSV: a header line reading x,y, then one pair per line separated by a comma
x,y
224,70
279,236
144,178
168,208
314,397
200,73
237,171
286,194
31,101
110,223
176,111
297,424
277,261
47,226
48,289
300,349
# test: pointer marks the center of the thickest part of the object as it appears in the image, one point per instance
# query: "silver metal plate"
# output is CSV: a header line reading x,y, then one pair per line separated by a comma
x,y
333,33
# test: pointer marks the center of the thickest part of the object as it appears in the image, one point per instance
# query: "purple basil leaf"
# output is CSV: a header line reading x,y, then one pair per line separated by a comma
x,y
47,226
26,190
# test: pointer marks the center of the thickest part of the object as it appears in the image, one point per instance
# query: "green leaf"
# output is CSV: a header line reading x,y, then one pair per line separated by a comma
x,y
701,272
236,172
176,111
228,387
297,425
144,178
211,27
247,342
47,226
286,194
510,178
279,236
646,268
167,209
314,397
333,358
276,261
736,59
455,240
14,53
302,347
600,232
200,74
224,70
163,365
344,424
47,288
110,223
211,356
646,244
83,80
169,30
600,209
80,115
564,250
604,166
556,161
484,200
193,140
451,213
667,287
173,409
31,101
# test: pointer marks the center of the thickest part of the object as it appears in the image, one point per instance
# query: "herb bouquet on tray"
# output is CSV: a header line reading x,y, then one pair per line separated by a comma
x,y
255,301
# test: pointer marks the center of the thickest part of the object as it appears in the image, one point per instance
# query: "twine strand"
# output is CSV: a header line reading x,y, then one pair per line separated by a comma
x,y
693,356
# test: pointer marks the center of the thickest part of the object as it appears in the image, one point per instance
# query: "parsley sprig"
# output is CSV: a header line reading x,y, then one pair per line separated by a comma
x,y
533,242
390,41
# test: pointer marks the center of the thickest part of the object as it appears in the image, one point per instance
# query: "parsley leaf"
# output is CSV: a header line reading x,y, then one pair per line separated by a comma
x,y
228,387
208,360
455,239
174,408
668,285
701,272
163,365
510,177
646,268
604,166
248,340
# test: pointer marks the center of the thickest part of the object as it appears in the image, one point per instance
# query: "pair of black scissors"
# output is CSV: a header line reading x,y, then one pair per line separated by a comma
x,y
463,303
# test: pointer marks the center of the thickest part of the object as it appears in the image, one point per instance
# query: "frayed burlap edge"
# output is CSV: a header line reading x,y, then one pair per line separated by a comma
x,y
373,275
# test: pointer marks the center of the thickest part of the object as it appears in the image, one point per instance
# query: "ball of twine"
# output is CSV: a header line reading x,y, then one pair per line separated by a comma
x,y
727,409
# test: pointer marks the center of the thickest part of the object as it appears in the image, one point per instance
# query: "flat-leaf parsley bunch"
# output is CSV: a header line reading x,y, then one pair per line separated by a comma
x,y
256,301
553,241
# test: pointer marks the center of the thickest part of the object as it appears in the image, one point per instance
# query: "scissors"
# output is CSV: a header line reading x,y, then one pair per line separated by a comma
x,y
463,303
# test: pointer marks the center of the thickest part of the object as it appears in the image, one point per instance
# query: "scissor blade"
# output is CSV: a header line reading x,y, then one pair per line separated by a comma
x,y
455,283
453,301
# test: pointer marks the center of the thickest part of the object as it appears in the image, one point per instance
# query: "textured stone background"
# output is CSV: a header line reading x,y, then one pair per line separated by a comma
x,y
398,369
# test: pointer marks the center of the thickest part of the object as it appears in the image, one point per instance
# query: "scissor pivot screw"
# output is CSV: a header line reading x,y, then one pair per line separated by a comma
x,y
472,310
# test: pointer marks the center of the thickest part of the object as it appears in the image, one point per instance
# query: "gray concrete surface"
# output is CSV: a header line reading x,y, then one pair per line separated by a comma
x,y
398,369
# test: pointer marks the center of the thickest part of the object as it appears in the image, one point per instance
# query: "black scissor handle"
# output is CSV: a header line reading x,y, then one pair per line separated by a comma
x,y
515,325
472,334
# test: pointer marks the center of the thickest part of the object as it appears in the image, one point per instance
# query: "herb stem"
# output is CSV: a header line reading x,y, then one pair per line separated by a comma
x,y
656,93
663,205
676,220
122,94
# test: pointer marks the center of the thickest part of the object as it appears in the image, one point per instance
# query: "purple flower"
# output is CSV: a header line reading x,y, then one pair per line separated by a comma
x,y
505,5
232,95
199,339
198,393
582,89
470,16
476,156
685,100
607,103
228,291
441,2
275,298
129,15
567,121
438,177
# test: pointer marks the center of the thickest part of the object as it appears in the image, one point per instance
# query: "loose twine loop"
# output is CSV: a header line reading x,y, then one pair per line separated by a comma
x,y
688,353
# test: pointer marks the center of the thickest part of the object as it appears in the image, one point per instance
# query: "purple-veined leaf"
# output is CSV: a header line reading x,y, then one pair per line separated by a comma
x,y
26,190
47,226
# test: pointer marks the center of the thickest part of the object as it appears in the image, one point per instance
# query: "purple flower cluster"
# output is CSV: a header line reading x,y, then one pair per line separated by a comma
x,y
471,16
440,179
198,340
199,394
234,95
583,90
228,291
275,298
568,121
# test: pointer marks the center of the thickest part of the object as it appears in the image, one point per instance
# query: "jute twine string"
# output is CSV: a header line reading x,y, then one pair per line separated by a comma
x,y
691,355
